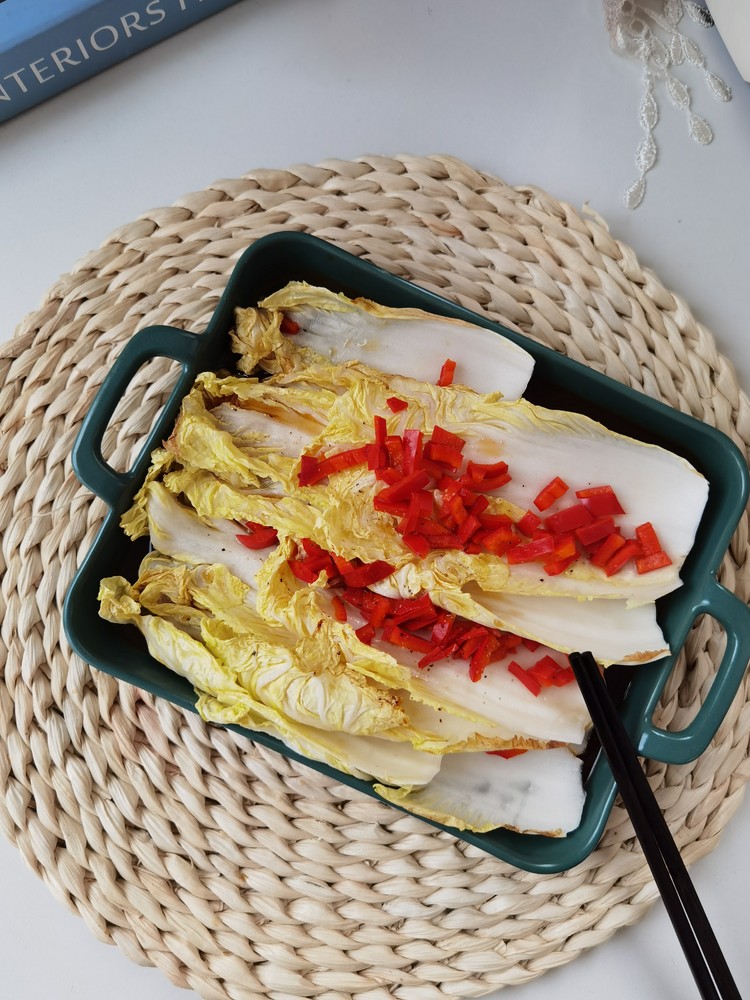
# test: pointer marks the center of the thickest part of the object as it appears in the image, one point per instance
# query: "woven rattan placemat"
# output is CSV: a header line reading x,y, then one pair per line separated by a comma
x,y
236,872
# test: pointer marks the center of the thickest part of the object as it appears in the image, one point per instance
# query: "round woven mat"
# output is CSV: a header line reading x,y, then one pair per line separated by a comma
x,y
236,872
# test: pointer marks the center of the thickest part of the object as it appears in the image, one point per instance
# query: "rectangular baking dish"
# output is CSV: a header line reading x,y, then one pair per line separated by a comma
x,y
557,382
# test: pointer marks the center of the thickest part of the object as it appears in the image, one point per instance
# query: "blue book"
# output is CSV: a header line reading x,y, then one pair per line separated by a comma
x,y
47,46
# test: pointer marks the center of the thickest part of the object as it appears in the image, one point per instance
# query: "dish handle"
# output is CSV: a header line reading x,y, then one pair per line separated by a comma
x,y
89,464
685,745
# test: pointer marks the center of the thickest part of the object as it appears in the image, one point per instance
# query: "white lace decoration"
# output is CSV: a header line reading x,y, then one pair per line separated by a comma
x,y
648,32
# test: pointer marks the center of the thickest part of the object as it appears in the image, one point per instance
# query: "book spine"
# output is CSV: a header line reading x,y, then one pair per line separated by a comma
x,y
78,48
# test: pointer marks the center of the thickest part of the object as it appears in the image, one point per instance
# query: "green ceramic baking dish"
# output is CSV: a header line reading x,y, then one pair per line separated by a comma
x,y
558,382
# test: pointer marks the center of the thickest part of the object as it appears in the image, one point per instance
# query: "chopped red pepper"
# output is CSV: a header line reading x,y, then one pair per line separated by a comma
x,y
338,608
648,539
558,566
365,633
508,753
381,429
549,493
630,550
412,451
342,460
441,436
395,404
395,448
304,570
447,372
259,536
288,325
600,500
568,519
595,531
410,609
404,487
607,549
647,564
309,471
368,573
531,551
517,671
529,523
418,544
373,607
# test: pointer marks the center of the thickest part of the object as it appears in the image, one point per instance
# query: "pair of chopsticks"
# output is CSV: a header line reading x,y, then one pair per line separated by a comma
x,y
704,956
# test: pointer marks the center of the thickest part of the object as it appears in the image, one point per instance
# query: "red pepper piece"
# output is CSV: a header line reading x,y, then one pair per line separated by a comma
x,y
607,549
365,633
437,653
493,521
647,564
338,608
377,457
445,541
443,454
481,658
507,754
544,670
600,500
374,607
442,627
490,484
259,536
395,405
468,528
304,570
430,528
452,507
288,325
441,436
410,609
549,493
412,451
557,566
564,676
565,547
418,544
517,671
471,640
648,539
500,540
568,519
479,505
395,448
530,551
447,372
595,531
368,573
486,477
381,429
529,523
420,505
477,471
398,637
630,550
343,460
388,476
397,509
404,487
309,471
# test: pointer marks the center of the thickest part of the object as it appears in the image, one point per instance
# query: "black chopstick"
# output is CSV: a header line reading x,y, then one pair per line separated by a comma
x,y
702,950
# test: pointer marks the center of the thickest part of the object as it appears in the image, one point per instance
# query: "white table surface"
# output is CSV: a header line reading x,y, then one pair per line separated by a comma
x,y
528,91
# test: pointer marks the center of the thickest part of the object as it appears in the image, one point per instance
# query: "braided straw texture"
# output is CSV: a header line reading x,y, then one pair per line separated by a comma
x,y
235,871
